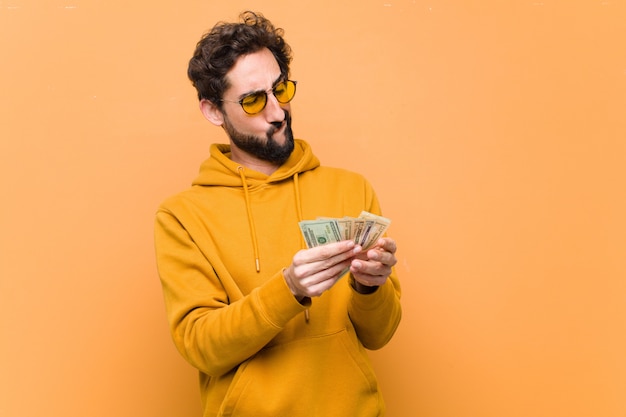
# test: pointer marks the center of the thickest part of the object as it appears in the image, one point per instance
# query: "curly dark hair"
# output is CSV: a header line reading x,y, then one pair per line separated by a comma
x,y
218,50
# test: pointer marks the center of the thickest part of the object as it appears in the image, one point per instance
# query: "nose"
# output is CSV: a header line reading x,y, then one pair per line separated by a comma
x,y
274,111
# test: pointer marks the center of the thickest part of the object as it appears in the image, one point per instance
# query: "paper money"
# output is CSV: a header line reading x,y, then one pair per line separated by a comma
x,y
364,230
378,228
320,232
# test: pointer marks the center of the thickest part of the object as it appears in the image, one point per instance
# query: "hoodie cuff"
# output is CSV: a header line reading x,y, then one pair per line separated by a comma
x,y
277,302
360,288
374,300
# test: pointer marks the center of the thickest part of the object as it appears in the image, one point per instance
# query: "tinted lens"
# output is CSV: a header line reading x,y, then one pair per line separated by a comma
x,y
285,91
254,103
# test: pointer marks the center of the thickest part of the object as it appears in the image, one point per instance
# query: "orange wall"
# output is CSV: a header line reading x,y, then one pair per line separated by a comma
x,y
494,132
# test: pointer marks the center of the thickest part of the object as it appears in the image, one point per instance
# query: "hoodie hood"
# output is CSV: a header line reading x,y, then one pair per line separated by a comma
x,y
220,170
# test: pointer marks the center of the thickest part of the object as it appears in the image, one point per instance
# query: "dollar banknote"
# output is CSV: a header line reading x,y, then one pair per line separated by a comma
x,y
364,230
320,232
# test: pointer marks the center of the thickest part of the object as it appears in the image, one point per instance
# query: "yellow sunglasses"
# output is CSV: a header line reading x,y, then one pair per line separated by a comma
x,y
255,102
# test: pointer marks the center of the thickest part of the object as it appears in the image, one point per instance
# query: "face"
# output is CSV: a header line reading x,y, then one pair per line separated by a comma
x,y
266,135
267,148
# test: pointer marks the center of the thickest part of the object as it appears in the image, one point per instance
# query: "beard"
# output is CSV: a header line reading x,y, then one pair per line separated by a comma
x,y
266,149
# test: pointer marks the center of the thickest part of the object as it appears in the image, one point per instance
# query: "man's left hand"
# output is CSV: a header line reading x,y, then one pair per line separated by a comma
x,y
372,268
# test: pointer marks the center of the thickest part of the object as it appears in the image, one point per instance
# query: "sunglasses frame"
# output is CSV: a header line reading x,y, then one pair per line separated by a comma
x,y
266,92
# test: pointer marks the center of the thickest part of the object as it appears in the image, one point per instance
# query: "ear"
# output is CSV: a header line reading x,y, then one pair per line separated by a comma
x,y
211,112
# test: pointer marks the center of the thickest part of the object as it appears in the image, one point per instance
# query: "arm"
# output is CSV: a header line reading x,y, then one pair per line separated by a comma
x,y
213,325
375,308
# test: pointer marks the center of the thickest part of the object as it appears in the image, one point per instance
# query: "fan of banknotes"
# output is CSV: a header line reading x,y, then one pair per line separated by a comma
x,y
364,230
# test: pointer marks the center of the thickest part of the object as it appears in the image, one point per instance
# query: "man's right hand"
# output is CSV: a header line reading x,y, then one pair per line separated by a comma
x,y
316,270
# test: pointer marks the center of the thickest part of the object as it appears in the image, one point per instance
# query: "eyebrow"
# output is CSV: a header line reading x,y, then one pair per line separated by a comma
x,y
278,80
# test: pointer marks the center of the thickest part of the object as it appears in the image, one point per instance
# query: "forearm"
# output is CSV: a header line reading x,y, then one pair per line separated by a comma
x,y
215,340
376,315
214,325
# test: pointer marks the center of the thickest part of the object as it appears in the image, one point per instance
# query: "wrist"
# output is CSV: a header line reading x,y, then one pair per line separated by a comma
x,y
299,297
361,288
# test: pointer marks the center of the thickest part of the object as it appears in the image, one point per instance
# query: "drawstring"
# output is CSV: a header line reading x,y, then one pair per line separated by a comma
x,y
255,243
296,186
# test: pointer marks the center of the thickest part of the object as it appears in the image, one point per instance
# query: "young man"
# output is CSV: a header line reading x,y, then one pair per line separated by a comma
x,y
275,329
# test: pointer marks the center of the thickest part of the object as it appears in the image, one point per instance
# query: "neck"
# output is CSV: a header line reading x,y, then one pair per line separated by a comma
x,y
251,162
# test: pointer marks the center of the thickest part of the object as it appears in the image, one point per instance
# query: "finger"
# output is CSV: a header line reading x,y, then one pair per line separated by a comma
x,y
382,256
370,268
322,269
387,244
380,264
338,251
368,280
315,285
319,288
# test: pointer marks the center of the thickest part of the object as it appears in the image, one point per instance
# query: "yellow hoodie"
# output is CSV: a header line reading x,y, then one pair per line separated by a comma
x,y
221,247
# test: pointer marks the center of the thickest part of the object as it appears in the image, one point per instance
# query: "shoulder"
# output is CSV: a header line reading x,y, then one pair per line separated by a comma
x,y
335,174
185,200
337,180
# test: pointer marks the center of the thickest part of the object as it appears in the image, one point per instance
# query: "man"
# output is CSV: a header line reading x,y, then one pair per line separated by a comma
x,y
274,328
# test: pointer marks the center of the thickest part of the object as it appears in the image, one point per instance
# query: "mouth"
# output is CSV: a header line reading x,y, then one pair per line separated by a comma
x,y
277,128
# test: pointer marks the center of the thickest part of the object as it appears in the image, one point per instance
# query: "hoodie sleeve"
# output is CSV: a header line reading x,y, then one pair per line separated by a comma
x,y
376,316
212,330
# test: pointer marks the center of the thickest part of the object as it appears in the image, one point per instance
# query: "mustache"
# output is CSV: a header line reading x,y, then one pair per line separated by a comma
x,y
278,125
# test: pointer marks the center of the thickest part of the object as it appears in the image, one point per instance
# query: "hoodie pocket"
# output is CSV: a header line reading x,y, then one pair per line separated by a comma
x,y
327,375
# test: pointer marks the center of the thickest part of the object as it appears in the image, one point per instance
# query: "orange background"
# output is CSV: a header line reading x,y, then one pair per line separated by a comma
x,y
493,131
